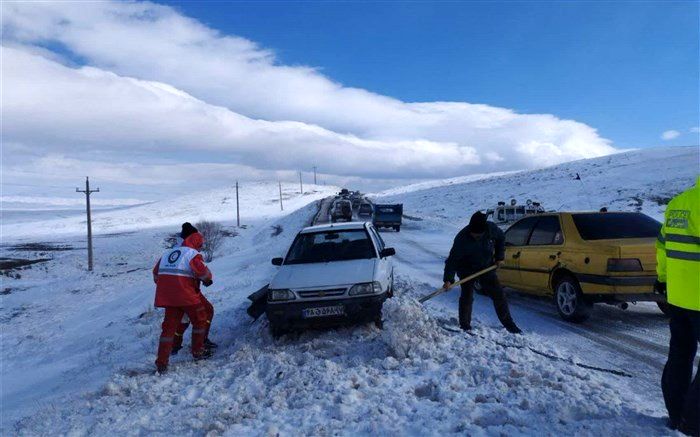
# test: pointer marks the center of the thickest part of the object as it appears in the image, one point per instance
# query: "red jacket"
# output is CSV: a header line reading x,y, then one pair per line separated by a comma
x,y
179,288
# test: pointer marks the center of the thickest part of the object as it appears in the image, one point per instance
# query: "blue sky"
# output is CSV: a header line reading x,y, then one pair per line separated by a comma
x,y
151,98
629,69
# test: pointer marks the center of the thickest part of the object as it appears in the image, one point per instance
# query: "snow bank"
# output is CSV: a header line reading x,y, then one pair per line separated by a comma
x,y
413,378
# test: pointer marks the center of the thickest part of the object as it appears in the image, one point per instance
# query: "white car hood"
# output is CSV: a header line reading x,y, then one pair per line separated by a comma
x,y
330,274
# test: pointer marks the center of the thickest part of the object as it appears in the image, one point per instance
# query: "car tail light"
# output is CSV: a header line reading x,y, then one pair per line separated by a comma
x,y
365,288
280,295
624,265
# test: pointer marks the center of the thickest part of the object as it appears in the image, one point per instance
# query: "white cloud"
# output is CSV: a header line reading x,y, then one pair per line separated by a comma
x,y
670,135
171,88
695,129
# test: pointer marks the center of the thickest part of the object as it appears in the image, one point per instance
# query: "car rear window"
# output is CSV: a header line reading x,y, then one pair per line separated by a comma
x,y
518,234
330,246
613,225
546,232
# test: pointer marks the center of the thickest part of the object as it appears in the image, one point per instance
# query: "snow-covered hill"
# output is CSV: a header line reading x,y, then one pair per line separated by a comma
x,y
78,358
641,180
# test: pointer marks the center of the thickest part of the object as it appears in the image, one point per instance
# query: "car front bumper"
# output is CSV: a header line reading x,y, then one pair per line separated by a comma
x,y
357,309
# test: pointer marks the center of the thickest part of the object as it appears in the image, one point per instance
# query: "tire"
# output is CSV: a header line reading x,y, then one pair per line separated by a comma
x,y
276,331
663,306
397,228
571,304
377,319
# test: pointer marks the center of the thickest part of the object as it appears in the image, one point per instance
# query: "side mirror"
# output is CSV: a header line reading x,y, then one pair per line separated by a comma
x,y
277,261
389,251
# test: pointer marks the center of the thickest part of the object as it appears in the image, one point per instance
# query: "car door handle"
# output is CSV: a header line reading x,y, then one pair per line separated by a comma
x,y
552,257
516,255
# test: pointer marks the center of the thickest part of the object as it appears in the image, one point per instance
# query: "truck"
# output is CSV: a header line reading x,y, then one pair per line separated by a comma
x,y
388,216
506,214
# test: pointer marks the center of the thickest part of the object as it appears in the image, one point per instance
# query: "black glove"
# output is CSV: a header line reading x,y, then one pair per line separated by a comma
x,y
660,287
207,282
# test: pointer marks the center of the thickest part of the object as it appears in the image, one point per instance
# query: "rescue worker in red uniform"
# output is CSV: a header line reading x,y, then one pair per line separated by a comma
x,y
177,275
185,323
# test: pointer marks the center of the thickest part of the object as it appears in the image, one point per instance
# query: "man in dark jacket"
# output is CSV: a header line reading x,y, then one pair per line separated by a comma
x,y
476,247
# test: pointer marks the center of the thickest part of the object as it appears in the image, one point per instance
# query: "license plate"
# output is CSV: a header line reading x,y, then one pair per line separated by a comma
x,y
337,310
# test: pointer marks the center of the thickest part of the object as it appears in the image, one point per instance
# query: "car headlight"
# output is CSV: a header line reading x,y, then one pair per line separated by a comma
x,y
365,288
280,295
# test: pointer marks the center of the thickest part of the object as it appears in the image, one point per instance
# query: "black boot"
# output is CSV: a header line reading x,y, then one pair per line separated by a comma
x,y
206,353
161,369
210,344
513,328
175,350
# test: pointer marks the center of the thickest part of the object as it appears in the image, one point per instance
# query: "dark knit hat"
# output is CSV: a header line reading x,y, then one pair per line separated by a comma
x,y
477,224
187,230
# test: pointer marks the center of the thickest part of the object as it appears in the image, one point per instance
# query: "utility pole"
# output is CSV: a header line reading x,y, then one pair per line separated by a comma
x,y
87,192
301,185
238,208
314,175
280,184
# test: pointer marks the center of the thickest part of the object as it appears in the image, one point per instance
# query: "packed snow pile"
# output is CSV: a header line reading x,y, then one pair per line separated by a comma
x,y
350,381
409,330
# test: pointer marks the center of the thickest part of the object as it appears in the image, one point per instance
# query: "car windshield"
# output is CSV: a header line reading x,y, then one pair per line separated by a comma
x,y
330,246
613,225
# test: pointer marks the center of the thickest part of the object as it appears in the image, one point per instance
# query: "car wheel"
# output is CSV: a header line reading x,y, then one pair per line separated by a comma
x,y
663,306
397,228
571,304
276,331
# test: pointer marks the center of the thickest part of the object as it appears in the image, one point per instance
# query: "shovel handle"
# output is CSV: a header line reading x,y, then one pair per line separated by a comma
x,y
460,282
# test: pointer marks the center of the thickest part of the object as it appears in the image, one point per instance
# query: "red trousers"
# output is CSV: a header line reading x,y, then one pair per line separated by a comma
x,y
171,322
185,323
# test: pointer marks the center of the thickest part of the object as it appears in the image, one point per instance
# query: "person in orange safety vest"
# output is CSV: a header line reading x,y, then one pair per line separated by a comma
x,y
177,276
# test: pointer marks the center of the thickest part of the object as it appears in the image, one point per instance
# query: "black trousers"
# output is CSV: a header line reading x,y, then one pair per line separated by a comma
x,y
682,397
492,288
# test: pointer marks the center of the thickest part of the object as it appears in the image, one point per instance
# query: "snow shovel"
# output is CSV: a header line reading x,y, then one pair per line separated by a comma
x,y
439,291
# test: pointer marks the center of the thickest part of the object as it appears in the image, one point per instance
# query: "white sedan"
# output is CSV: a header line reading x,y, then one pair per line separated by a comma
x,y
332,274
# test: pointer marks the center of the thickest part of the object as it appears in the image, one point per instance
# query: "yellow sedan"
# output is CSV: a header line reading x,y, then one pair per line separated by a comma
x,y
581,258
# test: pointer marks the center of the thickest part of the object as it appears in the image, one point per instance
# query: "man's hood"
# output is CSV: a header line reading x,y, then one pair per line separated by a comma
x,y
195,241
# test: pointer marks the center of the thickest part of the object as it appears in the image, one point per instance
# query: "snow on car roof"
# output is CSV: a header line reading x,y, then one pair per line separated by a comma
x,y
337,226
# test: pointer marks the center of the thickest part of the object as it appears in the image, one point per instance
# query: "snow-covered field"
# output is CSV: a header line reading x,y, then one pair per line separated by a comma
x,y
78,348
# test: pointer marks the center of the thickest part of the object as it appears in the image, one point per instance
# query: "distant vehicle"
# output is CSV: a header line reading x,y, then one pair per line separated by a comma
x,y
356,201
332,274
583,258
341,210
504,214
344,192
365,209
388,216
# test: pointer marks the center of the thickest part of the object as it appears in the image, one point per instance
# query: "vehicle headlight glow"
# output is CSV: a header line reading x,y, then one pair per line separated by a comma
x,y
280,295
365,288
